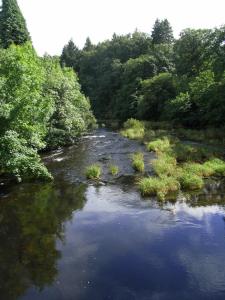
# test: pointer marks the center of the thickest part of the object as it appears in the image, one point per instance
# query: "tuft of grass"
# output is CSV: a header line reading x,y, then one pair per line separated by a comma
x,y
159,145
138,162
133,129
114,170
165,165
160,187
217,165
202,170
191,181
93,172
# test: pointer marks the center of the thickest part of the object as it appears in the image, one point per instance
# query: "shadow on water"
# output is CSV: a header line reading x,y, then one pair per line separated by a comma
x,y
31,220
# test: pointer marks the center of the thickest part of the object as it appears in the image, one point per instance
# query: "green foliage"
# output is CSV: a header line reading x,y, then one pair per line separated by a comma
x,y
70,56
133,129
20,160
13,28
93,172
72,115
191,181
154,94
217,165
159,145
138,162
160,187
114,170
162,32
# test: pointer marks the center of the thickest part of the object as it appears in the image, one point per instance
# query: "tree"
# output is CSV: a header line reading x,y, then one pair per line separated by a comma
x,y
88,46
12,24
191,51
72,115
162,32
70,56
24,112
154,95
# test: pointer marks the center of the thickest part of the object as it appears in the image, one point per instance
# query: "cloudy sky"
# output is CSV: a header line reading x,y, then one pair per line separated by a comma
x,y
53,22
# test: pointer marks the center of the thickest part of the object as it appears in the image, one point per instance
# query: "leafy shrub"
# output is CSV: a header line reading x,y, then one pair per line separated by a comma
x,y
20,160
93,172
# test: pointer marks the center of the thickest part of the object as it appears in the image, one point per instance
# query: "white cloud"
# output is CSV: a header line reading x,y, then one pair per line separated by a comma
x,y
53,22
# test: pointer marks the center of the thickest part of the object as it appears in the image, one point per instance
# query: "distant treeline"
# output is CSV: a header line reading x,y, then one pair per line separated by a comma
x,y
154,76
41,105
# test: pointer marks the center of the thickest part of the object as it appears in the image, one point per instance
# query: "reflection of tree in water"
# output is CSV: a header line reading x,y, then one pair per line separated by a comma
x,y
30,222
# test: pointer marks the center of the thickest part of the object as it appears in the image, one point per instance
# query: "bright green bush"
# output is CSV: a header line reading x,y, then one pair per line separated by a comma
x,y
20,160
93,172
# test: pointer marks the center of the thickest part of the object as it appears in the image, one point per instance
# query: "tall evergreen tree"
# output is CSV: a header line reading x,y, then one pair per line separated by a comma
x,y
88,45
13,27
70,56
162,32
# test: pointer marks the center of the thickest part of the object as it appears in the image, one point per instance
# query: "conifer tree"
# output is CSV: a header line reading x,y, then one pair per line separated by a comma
x,y
88,46
70,56
13,27
162,32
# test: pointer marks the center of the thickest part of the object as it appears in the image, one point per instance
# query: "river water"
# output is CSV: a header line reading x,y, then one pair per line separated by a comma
x,y
73,240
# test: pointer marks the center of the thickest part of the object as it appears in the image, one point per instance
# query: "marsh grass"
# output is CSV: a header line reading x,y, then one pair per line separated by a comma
x,y
178,165
138,162
159,145
133,129
93,172
114,170
160,187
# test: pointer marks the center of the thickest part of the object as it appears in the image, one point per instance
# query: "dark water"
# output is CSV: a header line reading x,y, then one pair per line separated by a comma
x,y
73,240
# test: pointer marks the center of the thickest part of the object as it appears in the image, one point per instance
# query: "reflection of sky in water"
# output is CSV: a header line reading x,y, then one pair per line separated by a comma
x,y
122,247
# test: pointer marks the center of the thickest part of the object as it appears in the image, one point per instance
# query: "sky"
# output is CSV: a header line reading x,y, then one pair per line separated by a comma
x,y
52,23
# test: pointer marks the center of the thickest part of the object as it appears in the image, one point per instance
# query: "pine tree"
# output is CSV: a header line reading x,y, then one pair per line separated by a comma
x,y
70,56
88,46
162,32
13,27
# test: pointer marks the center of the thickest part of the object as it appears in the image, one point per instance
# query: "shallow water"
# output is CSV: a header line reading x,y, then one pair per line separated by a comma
x,y
73,240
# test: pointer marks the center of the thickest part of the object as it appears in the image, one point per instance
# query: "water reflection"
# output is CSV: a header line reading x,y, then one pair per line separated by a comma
x,y
31,220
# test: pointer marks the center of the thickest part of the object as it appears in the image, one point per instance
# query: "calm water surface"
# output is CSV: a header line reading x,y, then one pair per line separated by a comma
x,y
73,240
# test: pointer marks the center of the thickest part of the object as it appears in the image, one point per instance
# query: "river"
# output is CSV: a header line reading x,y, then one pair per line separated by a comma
x,y
75,240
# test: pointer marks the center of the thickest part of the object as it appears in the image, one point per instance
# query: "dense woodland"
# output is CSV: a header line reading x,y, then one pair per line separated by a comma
x,y
153,76
149,76
41,104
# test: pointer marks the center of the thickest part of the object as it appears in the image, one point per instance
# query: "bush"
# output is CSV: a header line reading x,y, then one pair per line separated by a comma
x,y
138,162
114,170
17,159
93,172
